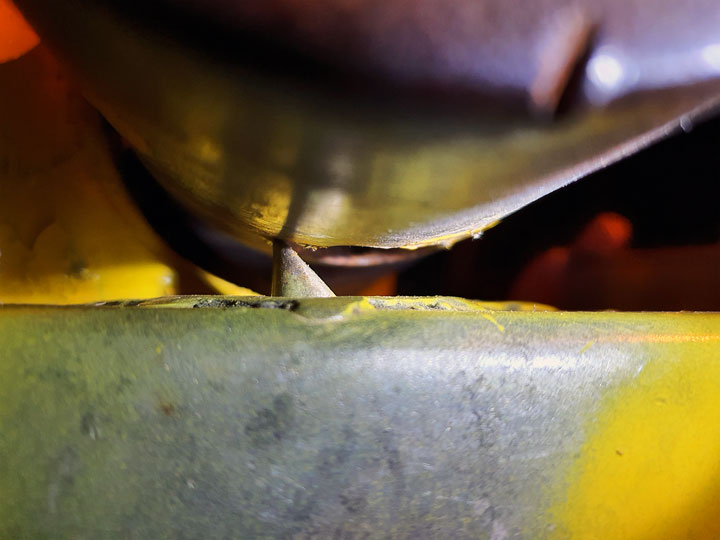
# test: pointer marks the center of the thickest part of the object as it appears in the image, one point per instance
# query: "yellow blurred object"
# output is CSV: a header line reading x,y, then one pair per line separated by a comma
x,y
221,286
69,232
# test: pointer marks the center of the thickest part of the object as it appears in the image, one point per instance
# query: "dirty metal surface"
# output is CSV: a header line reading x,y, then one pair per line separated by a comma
x,y
340,417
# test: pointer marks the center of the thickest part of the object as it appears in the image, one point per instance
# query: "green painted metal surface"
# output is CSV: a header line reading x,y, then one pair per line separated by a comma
x,y
336,417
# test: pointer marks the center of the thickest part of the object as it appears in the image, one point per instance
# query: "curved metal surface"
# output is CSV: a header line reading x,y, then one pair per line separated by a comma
x,y
354,418
396,124
482,52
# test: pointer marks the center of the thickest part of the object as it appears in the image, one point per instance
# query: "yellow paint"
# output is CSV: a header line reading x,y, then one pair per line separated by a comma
x,y
67,237
587,346
224,287
650,469
453,304
69,233
360,306
494,321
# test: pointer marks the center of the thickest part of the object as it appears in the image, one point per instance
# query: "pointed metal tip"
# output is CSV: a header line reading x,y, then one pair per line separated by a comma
x,y
292,277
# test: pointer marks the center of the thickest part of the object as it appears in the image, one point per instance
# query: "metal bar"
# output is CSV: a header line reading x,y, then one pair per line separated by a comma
x,y
231,417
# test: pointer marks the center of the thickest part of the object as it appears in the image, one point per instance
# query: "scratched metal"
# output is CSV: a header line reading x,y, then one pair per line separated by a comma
x,y
384,123
318,418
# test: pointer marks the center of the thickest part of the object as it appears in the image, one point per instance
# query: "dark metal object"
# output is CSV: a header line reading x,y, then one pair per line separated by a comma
x,y
429,142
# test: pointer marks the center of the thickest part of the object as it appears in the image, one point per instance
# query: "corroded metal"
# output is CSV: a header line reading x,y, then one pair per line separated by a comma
x,y
383,123
293,277
231,417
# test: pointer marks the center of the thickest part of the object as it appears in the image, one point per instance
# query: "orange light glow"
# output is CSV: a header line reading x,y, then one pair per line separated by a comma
x,y
16,36
607,232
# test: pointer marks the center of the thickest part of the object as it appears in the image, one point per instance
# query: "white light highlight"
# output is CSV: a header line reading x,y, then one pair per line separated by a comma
x,y
606,72
711,55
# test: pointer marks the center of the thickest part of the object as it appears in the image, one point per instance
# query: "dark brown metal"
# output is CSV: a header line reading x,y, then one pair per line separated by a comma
x,y
486,52
390,124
